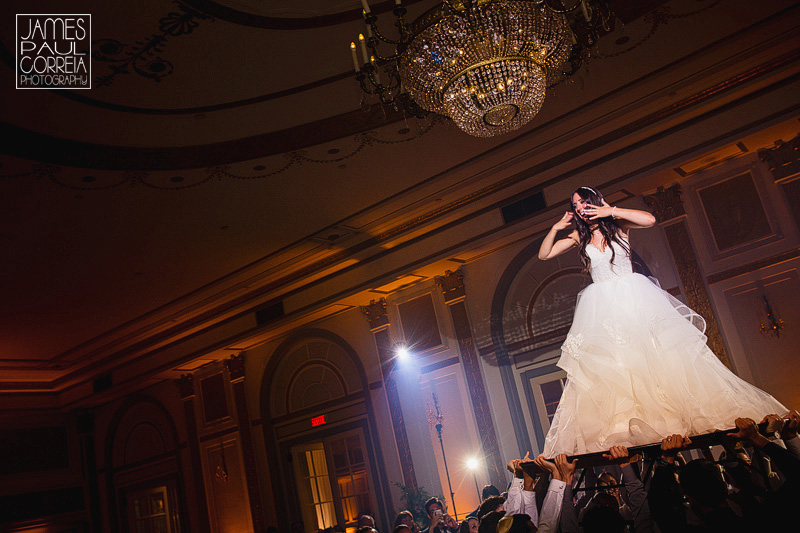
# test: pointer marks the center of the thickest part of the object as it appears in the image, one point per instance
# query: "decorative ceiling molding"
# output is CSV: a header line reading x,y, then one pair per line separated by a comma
x,y
253,20
55,174
27,144
7,57
657,18
141,56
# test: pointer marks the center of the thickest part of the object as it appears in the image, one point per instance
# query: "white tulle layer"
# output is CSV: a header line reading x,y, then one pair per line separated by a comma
x,y
639,370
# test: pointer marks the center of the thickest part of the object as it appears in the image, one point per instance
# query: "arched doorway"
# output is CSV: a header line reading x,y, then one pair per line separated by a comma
x,y
316,411
143,473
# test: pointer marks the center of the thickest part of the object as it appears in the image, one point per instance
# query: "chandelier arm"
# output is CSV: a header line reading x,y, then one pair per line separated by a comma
x,y
372,43
362,81
564,9
378,87
372,20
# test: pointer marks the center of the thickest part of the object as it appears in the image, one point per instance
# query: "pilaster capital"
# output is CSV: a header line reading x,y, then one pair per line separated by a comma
x,y
377,314
666,204
235,366
783,159
185,386
452,285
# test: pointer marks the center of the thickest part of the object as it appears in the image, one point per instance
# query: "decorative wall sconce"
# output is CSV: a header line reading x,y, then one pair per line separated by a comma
x,y
773,324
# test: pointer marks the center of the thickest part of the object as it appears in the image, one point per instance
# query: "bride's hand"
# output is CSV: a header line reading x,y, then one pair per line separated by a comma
x,y
565,221
598,211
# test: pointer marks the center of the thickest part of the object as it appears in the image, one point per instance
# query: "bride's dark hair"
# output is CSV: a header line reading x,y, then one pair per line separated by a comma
x,y
607,225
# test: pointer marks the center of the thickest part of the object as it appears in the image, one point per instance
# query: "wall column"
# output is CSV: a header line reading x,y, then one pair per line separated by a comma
x,y
378,319
186,389
235,367
85,420
452,285
668,209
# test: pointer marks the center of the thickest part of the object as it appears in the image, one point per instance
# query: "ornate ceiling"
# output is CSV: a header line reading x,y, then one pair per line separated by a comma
x,y
146,219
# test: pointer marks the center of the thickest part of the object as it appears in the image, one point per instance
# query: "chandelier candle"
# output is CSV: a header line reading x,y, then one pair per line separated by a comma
x,y
355,59
363,47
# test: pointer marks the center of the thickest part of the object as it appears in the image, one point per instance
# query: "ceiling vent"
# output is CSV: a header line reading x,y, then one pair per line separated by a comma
x,y
524,207
270,313
334,235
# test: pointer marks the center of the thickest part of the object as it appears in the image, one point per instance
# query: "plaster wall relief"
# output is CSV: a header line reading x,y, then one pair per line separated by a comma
x,y
224,450
761,309
741,223
745,210
783,163
186,177
734,209
226,487
668,209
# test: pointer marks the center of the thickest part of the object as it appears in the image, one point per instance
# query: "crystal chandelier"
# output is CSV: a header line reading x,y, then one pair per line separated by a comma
x,y
484,63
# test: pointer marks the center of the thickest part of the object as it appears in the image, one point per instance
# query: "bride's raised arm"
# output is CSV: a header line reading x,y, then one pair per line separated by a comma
x,y
550,247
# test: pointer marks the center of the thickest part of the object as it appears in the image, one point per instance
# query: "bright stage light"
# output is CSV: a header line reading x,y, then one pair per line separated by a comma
x,y
402,353
472,464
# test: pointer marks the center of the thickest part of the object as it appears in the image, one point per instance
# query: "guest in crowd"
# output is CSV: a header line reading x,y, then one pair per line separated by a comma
x,y
469,525
438,520
492,503
405,518
365,520
487,492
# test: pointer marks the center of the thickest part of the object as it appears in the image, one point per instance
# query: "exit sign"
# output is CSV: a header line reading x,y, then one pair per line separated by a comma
x,y
318,421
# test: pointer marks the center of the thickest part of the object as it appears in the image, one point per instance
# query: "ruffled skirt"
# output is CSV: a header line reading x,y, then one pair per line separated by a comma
x,y
639,370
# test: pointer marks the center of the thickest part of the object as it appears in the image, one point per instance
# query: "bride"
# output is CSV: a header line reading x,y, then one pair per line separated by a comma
x,y
636,358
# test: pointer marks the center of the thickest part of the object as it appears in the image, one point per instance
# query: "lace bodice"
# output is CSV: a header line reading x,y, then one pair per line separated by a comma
x,y
601,267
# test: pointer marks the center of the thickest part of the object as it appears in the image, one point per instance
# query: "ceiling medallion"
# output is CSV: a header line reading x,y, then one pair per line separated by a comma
x,y
484,63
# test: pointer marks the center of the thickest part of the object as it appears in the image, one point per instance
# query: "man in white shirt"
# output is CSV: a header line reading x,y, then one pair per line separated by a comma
x,y
521,497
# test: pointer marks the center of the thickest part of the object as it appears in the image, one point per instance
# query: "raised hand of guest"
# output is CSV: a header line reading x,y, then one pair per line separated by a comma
x,y
671,445
789,430
436,521
748,431
547,466
513,465
618,454
774,424
449,522
565,469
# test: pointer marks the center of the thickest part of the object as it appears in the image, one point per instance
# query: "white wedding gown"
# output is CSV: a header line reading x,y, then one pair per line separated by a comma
x,y
639,369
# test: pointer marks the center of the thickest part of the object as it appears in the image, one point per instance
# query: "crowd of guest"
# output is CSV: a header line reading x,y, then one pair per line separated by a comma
x,y
750,485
